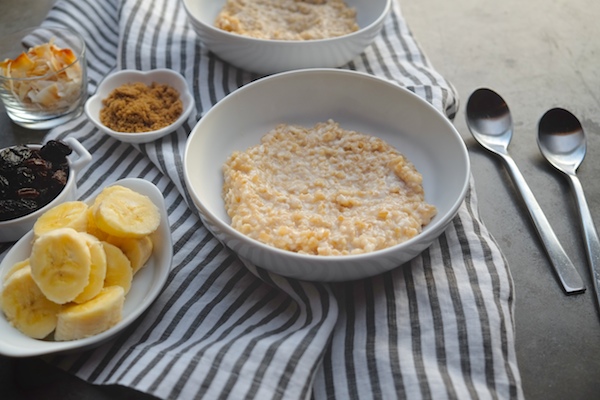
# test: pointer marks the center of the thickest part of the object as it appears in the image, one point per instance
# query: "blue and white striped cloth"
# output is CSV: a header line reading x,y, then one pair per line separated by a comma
x,y
438,327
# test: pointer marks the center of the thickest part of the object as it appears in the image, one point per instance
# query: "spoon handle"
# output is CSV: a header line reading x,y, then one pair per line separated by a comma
x,y
565,270
590,234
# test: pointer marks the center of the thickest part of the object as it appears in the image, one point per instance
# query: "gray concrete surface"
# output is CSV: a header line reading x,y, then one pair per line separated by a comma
x,y
537,54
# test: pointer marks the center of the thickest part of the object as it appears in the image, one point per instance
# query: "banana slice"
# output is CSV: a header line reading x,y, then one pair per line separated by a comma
x,y
15,268
107,191
118,268
60,263
71,214
26,307
79,321
92,228
138,251
97,269
126,213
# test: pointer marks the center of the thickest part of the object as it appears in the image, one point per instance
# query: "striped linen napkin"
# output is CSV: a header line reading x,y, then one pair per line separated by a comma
x,y
438,327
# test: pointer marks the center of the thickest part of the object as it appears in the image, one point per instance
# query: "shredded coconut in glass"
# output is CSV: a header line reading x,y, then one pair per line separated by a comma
x,y
46,76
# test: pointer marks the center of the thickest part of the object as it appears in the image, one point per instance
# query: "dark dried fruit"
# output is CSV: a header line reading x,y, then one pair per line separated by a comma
x,y
17,208
4,184
60,177
55,151
31,178
14,156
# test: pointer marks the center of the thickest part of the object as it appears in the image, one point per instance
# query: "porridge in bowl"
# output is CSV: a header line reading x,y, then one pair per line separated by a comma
x,y
324,191
287,19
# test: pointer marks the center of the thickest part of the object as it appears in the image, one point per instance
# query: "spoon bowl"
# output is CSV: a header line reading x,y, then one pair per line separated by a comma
x,y
561,140
490,122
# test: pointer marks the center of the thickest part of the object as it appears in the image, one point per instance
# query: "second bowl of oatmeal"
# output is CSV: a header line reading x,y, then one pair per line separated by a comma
x,y
270,36
351,176
140,106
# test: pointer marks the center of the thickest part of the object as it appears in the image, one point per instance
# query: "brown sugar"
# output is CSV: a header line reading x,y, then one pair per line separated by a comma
x,y
137,107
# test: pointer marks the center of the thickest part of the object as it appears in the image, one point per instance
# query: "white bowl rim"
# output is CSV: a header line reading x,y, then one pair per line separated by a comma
x,y
375,23
432,227
186,98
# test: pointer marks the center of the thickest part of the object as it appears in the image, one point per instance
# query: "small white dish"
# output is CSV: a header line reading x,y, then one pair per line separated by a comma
x,y
146,286
163,76
13,229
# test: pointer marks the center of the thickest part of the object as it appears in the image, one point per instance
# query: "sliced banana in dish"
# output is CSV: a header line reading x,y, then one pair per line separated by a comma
x,y
78,321
60,264
71,214
81,265
97,269
26,307
126,213
16,267
137,250
118,268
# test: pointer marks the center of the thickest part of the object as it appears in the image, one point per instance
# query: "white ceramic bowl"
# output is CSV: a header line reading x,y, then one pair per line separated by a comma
x,y
357,101
145,288
269,56
13,229
113,81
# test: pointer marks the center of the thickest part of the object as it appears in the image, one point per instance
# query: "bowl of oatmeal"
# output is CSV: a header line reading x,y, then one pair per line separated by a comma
x,y
269,36
351,176
140,106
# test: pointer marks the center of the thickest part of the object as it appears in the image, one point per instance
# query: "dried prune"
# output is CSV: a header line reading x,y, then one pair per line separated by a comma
x,y
31,178
55,151
14,156
60,177
4,184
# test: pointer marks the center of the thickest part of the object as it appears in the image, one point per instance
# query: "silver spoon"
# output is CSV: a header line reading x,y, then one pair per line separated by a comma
x,y
490,123
562,141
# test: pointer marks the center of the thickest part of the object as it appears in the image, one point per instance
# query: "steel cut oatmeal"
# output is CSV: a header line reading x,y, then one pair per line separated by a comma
x,y
324,191
287,19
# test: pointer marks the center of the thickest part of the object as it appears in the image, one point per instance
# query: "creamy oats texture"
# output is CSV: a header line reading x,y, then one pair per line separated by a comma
x,y
324,191
287,19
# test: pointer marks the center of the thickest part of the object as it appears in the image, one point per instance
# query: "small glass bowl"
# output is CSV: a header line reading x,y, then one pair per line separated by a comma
x,y
43,100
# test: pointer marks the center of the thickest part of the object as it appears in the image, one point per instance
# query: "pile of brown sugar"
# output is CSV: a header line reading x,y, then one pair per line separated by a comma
x,y
137,107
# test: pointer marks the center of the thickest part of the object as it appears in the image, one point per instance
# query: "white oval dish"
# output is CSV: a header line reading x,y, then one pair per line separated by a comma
x,y
146,286
13,229
357,101
265,56
163,76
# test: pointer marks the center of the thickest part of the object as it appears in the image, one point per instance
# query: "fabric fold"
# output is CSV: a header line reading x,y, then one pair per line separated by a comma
x,y
440,326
